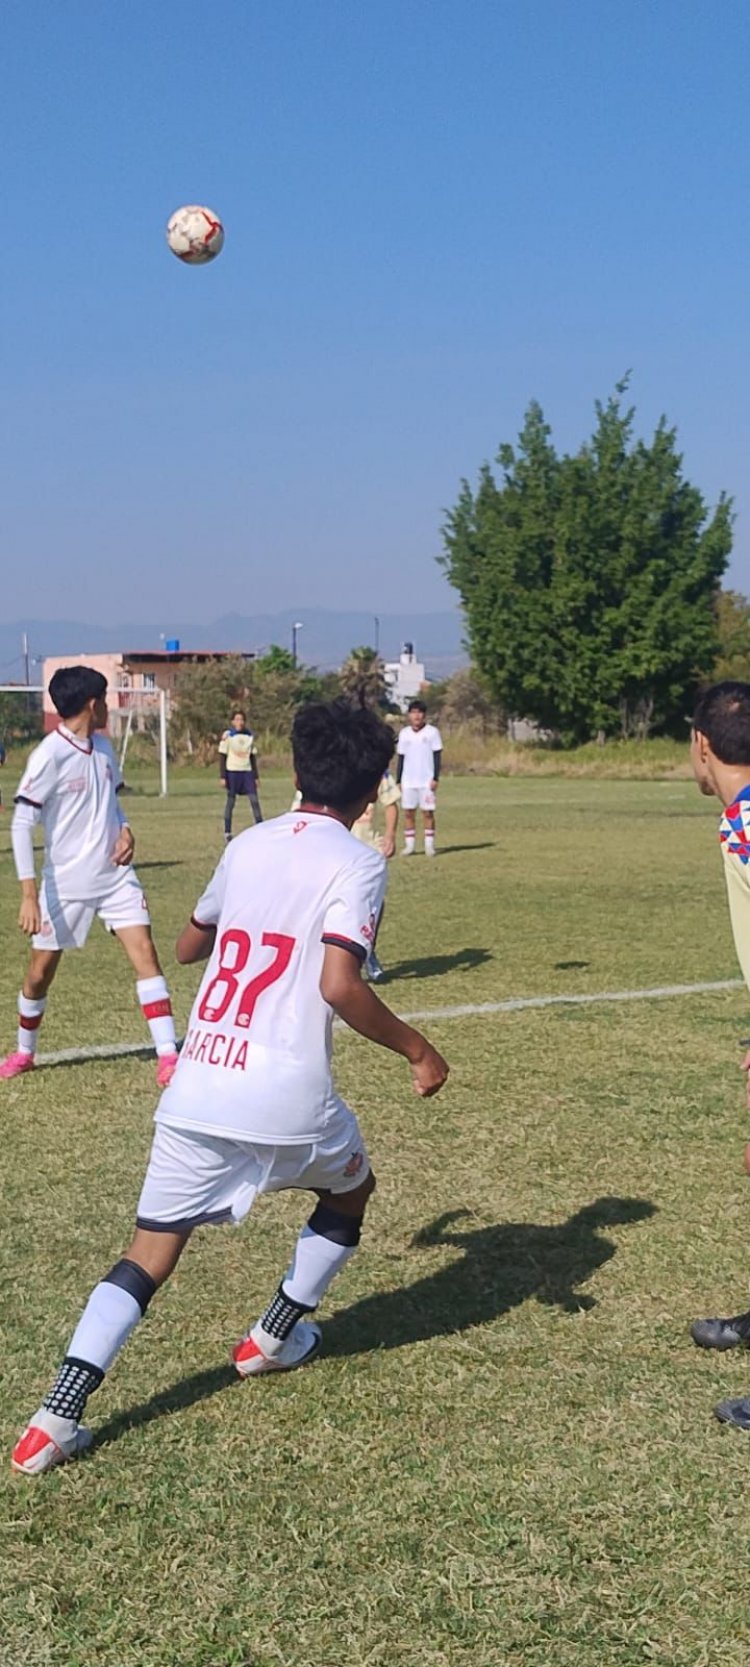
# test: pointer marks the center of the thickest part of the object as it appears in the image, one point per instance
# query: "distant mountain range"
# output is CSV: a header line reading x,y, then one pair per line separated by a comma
x,y
323,639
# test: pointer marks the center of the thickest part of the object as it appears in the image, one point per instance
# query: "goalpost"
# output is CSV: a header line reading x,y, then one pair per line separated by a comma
x,y
128,708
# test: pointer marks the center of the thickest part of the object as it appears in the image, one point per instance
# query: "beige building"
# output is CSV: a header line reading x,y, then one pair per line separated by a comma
x,y
134,676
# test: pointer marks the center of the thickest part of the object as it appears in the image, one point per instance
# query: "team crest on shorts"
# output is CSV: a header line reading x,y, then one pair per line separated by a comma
x,y
355,1163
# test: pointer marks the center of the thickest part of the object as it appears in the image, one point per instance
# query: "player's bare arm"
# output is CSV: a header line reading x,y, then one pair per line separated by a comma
x,y
29,914
341,985
195,943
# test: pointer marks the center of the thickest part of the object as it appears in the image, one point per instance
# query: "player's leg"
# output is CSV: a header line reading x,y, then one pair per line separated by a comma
x,y
428,818
252,793
190,1180
112,1312
409,800
282,1338
32,1001
231,801
120,913
373,967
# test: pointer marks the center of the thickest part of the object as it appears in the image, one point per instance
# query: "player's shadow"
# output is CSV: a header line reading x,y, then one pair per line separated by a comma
x,y
170,862
501,1267
475,845
432,966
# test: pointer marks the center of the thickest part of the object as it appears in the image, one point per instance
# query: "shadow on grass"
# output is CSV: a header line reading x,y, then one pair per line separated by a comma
x,y
502,1266
476,845
170,862
431,966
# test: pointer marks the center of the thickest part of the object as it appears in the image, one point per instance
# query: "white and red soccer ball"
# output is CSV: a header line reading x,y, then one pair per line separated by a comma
x,y
195,234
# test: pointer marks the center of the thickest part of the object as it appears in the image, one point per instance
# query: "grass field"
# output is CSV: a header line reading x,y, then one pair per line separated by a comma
x,y
506,1453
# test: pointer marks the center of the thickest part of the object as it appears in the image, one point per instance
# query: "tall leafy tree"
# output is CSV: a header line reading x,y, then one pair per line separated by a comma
x,y
589,582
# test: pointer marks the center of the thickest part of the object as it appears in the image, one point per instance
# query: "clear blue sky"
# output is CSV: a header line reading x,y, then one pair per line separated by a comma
x,y
435,210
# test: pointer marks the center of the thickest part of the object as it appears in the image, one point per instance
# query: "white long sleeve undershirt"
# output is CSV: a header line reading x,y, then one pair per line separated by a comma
x,y
25,819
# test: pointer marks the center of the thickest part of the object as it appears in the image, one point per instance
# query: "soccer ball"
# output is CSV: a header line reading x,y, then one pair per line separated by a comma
x,y
195,235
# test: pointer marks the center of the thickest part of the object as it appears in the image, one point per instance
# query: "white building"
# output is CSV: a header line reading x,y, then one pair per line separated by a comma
x,y
404,677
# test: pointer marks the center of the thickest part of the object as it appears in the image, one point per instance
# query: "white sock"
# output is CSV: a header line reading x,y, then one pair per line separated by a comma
x,y
30,1015
156,1006
410,837
315,1263
105,1324
429,839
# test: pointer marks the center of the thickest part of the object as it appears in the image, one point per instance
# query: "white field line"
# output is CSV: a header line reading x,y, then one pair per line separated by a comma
x,y
471,1010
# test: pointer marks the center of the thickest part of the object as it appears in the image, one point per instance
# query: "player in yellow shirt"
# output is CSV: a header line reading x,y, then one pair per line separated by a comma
x,y
720,756
388,800
238,768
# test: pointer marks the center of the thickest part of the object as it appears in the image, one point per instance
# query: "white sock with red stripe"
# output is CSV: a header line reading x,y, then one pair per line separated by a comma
x,y
429,839
30,1015
410,838
156,1007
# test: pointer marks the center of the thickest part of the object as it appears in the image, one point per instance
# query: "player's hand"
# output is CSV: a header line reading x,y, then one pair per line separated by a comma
x,y
429,1070
389,846
746,1069
30,915
123,851
434,785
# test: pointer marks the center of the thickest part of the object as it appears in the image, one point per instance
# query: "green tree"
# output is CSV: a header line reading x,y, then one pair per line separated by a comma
x,y
21,718
462,701
733,630
589,582
362,678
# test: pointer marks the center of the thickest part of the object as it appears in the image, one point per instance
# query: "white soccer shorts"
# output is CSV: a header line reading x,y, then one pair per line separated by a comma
x,y
417,798
195,1179
66,925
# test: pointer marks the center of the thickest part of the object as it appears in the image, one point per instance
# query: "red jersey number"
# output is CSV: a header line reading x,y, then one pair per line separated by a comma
x,y
234,953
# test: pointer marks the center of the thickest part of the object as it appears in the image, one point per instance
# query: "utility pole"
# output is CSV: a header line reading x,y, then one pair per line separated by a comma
x,y
297,626
25,654
377,636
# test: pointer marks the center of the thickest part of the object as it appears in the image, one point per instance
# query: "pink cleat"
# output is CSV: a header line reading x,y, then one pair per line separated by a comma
x,y
16,1064
166,1065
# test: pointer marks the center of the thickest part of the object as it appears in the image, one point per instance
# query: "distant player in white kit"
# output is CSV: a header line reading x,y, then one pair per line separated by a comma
x,y
70,786
420,752
285,923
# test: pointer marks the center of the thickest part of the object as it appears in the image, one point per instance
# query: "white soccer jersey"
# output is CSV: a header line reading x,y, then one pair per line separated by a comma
x,y
256,1061
416,747
72,784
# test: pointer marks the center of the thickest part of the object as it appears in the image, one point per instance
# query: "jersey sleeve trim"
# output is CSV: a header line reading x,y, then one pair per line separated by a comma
x,y
21,799
345,943
202,925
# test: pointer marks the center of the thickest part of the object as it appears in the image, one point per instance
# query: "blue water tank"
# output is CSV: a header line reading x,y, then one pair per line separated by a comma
x,y
172,645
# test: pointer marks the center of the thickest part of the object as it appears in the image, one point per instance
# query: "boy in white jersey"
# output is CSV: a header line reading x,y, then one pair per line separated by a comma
x,y
285,923
70,786
720,756
420,752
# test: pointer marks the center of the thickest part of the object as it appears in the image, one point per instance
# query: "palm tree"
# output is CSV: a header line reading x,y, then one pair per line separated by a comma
x,y
362,678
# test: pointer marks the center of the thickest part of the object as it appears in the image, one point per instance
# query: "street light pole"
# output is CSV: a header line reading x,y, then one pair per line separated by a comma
x,y
377,636
297,626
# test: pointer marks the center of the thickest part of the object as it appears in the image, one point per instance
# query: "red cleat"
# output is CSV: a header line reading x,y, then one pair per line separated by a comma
x,y
301,1345
48,1441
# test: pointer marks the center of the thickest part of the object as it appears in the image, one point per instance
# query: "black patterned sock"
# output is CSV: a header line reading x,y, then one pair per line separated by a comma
x,y
282,1314
75,1381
